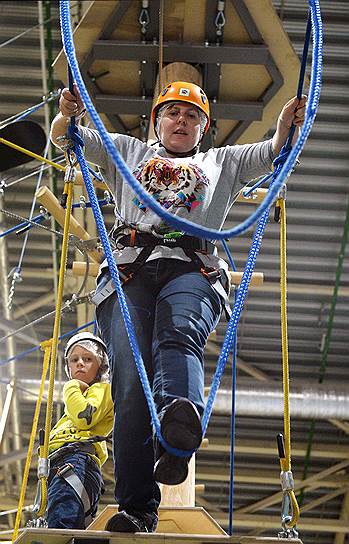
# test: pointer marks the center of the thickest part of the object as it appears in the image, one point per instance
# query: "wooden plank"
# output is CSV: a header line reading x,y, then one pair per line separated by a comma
x,y
188,520
62,536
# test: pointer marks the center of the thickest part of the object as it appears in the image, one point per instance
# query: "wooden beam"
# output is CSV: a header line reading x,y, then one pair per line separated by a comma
x,y
207,473
316,525
235,277
50,202
248,447
313,481
344,516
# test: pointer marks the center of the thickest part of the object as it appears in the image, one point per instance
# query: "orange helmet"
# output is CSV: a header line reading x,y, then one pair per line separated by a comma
x,y
182,91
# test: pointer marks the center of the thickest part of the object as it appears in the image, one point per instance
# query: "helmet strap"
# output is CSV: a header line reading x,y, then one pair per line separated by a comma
x,y
184,154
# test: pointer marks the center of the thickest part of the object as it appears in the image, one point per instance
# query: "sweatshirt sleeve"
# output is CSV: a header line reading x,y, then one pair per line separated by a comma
x,y
248,161
87,409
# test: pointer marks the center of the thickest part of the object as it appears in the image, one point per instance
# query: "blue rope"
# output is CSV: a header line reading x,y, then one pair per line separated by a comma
x,y
69,48
260,182
36,219
232,436
229,255
235,316
35,348
149,201
27,112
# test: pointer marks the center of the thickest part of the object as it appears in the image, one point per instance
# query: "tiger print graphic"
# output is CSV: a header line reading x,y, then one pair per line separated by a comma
x,y
172,185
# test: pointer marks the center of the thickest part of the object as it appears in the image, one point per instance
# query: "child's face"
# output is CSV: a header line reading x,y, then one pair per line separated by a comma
x,y
83,364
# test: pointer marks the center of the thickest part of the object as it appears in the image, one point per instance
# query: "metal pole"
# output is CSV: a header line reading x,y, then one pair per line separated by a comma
x,y
11,372
47,86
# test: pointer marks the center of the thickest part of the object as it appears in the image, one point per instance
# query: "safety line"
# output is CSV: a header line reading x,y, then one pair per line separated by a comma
x,y
46,347
35,348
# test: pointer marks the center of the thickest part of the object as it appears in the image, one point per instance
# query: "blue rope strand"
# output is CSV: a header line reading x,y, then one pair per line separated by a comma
x,y
232,436
234,319
229,255
36,219
35,348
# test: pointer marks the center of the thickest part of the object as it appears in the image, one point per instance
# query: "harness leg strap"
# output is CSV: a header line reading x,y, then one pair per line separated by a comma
x,y
67,472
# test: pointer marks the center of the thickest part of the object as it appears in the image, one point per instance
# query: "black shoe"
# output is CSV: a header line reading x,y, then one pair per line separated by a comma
x,y
181,428
122,522
171,470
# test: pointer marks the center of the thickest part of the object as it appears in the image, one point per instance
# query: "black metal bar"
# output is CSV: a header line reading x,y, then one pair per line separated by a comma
x,y
212,71
115,18
246,18
173,52
234,134
134,105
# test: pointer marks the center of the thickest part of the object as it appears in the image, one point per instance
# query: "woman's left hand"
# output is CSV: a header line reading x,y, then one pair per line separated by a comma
x,y
293,112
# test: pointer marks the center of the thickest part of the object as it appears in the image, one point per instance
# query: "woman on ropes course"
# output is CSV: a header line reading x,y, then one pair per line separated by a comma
x,y
77,444
175,285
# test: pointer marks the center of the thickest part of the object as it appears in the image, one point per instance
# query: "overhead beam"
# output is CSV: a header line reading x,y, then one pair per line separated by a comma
x,y
317,525
207,473
317,480
136,105
248,447
174,52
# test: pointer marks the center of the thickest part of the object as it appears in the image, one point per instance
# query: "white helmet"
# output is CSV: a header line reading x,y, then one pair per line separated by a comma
x,y
94,344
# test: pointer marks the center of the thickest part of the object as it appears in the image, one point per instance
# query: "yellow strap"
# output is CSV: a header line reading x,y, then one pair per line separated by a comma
x,y
31,154
46,347
286,462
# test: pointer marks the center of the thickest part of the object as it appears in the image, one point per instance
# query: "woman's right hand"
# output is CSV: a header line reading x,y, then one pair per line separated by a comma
x,y
71,104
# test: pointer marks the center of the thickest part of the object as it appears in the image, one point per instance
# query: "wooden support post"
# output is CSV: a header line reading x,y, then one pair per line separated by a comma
x,y
50,202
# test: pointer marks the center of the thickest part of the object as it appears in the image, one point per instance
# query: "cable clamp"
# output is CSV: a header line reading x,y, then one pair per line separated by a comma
x,y
282,192
250,195
44,212
65,143
43,467
82,202
37,523
288,533
286,479
70,174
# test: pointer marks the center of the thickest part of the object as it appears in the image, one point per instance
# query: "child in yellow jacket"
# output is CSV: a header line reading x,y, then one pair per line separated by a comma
x,y
77,444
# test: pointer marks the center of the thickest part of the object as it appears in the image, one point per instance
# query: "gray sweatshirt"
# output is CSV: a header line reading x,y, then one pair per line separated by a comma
x,y
200,188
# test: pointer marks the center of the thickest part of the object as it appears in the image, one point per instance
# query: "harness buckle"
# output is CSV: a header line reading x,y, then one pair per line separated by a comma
x,y
61,471
212,274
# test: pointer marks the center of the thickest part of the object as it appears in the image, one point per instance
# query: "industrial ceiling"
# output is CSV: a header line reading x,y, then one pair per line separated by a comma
x,y
318,295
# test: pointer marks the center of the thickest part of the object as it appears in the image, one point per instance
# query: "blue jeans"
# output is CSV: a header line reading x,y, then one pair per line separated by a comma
x,y
173,308
65,509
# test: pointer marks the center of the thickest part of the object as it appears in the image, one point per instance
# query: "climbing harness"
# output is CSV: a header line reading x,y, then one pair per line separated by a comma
x,y
64,469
